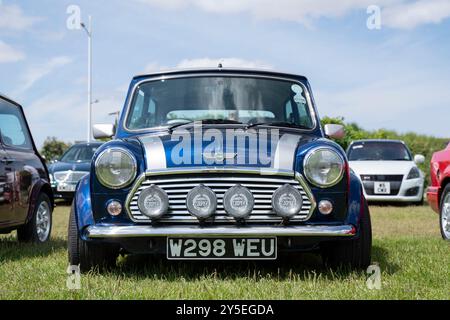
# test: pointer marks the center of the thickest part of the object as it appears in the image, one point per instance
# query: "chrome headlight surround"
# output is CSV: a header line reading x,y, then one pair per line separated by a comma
x,y
318,159
104,164
60,176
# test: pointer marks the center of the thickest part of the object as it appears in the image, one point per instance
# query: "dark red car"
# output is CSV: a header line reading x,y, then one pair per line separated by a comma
x,y
26,199
439,192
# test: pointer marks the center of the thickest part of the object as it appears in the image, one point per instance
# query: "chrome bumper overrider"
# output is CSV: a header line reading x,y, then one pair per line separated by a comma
x,y
99,231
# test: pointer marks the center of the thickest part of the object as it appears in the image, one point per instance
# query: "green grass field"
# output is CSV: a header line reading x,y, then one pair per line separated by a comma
x,y
414,262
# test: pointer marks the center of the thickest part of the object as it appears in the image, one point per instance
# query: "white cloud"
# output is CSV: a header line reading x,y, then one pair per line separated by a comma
x,y
64,115
58,115
402,14
9,54
411,15
37,72
226,62
13,18
154,67
210,63
400,104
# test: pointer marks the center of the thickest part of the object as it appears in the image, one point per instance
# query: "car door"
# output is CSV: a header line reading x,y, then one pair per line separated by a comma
x,y
6,181
19,159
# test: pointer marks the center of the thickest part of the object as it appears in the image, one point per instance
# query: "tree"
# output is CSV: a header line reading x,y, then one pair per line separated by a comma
x,y
418,143
53,148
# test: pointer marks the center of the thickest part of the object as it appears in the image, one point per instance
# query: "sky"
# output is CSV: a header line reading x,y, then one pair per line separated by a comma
x,y
388,70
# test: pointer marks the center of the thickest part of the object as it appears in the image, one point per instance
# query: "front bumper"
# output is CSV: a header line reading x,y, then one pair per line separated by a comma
x,y
433,198
66,194
112,232
402,194
63,195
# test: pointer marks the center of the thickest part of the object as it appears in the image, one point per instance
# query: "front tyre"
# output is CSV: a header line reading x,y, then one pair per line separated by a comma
x,y
444,216
39,228
354,254
88,255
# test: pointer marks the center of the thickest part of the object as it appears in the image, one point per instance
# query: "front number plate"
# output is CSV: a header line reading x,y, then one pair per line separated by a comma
x,y
66,188
382,188
222,248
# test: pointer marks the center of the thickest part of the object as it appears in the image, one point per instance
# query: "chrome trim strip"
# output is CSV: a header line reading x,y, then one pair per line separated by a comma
x,y
309,194
219,73
285,153
155,153
100,231
256,171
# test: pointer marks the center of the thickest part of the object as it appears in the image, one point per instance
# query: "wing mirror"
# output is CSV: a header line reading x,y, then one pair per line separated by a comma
x,y
334,131
104,131
419,159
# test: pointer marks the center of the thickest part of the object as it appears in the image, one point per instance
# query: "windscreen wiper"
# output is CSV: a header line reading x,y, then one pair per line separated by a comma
x,y
175,126
204,121
276,124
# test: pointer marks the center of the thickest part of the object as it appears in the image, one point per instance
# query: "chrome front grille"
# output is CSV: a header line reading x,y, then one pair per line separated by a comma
x,y
69,176
261,186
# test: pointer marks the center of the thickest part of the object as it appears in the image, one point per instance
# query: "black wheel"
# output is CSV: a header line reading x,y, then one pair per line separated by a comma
x,y
444,216
354,254
87,255
39,228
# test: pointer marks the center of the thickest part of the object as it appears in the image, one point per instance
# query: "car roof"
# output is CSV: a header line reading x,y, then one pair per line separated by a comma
x,y
94,143
378,140
260,71
5,97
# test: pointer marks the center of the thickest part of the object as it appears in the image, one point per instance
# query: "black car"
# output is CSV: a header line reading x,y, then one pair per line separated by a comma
x,y
26,199
73,165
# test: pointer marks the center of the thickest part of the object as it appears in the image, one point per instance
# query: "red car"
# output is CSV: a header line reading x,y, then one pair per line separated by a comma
x,y
439,192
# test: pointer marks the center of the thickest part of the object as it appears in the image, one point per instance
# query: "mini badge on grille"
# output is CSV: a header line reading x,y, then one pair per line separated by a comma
x,y
219,156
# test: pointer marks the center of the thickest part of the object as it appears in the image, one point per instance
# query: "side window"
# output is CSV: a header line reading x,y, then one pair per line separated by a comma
x,y
304,115
297,109
289,116
13,130
144,112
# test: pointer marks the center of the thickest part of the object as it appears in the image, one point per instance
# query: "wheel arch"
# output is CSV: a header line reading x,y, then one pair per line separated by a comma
x,y
445,182
357,202
82,204
39,187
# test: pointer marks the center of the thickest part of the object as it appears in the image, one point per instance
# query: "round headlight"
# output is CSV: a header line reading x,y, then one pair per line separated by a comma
x,y
115,168
287,201
201,202
324,167
238,202
153,202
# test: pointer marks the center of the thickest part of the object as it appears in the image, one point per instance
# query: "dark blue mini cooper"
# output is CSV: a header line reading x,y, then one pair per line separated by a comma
x,y
219,164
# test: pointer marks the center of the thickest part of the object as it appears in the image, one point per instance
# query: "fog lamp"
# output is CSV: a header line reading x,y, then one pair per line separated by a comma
x,y
287,201
238,202
325,207
201,202
153,202
114,208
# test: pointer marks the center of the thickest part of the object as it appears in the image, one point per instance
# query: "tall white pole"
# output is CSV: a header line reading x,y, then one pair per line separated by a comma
x,y
89,131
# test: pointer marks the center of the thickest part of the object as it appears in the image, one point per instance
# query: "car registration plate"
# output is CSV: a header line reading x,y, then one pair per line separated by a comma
x,y
222,248
382,188
66,188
